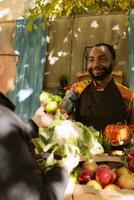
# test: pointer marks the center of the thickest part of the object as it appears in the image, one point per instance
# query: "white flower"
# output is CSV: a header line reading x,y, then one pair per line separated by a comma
x,y
65,40
48,39
116,28
94,24
61,53
53,60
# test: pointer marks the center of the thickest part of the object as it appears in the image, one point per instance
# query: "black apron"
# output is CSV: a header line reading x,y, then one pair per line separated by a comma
x,y
100,108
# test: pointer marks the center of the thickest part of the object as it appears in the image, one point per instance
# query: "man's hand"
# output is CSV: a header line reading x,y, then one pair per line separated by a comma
x,y
41,118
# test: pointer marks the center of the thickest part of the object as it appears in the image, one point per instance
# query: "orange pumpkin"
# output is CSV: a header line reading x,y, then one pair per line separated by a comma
x,y
118,133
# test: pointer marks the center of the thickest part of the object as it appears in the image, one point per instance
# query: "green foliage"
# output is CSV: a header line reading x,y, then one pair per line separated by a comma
x,y
47,10
64,139
63,80
104,142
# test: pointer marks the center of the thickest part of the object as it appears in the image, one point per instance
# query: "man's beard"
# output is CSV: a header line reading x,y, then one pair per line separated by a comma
x,y
103,75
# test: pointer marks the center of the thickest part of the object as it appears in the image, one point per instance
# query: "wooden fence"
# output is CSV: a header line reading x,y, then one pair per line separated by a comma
x,y
69,38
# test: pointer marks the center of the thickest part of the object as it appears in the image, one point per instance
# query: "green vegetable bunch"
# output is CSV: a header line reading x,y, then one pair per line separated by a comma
x,y
51,102
65,138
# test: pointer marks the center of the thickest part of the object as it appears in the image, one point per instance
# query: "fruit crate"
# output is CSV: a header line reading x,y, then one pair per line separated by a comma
x,y
82,192
112,161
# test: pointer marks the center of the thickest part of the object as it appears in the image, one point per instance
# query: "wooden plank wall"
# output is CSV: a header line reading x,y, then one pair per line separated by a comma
x,y
68,38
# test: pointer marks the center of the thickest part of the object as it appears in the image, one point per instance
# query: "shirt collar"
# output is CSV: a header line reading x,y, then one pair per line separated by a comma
x,y
5,101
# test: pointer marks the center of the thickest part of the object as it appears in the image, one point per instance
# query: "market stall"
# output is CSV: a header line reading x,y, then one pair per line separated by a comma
x,y
106,166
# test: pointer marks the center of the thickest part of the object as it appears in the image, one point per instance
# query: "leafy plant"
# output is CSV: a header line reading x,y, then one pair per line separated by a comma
x,y
63,80
65,138
106,143
47,10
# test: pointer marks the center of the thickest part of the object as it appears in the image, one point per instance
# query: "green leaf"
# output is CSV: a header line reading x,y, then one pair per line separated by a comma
x,y
39,144
50,160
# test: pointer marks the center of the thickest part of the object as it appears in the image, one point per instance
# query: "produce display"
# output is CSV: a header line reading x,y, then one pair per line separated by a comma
x,y
65,137
103,175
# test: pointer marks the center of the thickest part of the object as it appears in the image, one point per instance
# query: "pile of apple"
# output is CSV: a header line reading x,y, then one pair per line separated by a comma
x,y
104,177
50,101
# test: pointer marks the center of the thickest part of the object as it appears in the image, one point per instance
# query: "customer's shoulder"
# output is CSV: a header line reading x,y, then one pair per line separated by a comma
x,y
5,109
8,116
79,86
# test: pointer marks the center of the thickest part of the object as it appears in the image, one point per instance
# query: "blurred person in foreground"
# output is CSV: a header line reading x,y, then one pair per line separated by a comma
x,y
18,178
100,101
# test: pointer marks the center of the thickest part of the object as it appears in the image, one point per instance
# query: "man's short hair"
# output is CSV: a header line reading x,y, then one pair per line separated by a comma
x,y
110,48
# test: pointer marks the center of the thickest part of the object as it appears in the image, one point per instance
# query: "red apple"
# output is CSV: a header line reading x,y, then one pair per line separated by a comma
x,y
115,175
92,166
131,164
131,154
85,175
104,175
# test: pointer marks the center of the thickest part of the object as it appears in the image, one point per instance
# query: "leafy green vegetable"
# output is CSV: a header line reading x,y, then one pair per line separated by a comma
x,y
65,138
106,143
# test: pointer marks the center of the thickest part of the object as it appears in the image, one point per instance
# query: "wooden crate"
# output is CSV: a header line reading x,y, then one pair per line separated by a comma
x,y
82,192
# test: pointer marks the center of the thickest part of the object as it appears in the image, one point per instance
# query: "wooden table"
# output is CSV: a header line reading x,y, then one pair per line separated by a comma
x,y
82,192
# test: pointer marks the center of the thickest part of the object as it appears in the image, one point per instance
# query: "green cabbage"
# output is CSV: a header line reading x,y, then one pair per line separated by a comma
x,y
64,138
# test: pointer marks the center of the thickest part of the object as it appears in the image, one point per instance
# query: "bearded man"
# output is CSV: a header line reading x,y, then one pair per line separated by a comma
x,y
100,101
